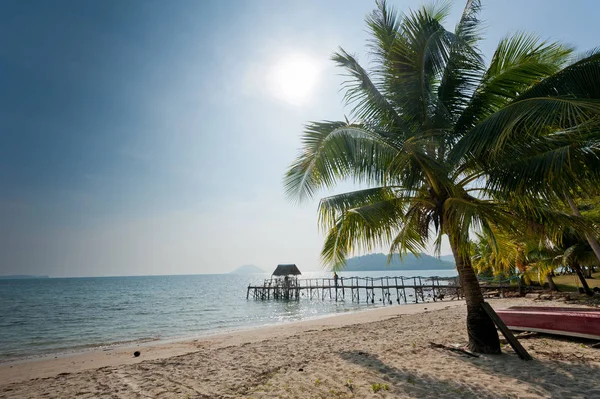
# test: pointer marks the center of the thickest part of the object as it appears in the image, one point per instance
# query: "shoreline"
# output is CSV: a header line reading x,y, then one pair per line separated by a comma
x,y
52,364
385,353
82,349
207,334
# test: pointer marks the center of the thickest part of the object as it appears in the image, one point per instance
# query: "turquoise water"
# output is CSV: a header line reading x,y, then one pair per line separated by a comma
x,y
62,315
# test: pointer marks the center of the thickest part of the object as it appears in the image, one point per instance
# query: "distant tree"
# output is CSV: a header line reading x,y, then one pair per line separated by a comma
x,y
496,254
576,251
530,255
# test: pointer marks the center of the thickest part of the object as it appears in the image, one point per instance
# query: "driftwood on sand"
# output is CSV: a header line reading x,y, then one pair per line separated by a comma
x,y
450,348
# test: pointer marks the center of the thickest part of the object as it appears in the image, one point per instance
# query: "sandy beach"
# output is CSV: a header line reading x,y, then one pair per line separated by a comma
x,y
345,356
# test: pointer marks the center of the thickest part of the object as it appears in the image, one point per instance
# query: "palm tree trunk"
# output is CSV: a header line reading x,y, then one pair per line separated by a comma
x,y
550,281
483,337
584,283
590,238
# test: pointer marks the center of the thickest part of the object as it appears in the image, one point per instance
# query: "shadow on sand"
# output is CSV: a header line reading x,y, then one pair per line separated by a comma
x,y
547,378
555,374
405,382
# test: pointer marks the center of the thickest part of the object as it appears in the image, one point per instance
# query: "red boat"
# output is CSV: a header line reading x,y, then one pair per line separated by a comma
x,y
573,322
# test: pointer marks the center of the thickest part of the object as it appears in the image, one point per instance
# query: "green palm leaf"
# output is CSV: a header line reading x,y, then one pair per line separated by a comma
x,y
334,151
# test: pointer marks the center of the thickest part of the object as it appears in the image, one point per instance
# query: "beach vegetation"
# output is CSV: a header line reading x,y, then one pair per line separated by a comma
x,y
349,384
443,144
337,394
536,257
376,387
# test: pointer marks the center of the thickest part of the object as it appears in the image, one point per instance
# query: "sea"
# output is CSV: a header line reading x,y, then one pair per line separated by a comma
x,y
63,315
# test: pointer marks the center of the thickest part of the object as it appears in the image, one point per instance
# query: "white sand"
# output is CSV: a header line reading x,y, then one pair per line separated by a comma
x,y
335,357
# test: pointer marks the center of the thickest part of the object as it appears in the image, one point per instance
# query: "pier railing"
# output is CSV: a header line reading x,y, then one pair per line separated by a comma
x,y
385,289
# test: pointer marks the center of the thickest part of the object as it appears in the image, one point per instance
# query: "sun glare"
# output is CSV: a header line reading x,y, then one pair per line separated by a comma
x,y
294,78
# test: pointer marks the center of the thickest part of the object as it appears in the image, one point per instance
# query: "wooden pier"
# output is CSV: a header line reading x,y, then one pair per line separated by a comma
x,y
400,289
369,289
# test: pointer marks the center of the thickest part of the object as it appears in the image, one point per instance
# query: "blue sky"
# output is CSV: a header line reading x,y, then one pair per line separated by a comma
x,y
150,137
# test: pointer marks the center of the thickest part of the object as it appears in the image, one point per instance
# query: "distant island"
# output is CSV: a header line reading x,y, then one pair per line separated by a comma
x,y
248,269
378,262
448,258
21,277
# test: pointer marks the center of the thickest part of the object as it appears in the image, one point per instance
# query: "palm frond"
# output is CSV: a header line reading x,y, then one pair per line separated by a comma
x,y
570,98
412,60
333,151
519,62
365,97
361,229
384,25
415,231
545,166
525,118
331,208
463,70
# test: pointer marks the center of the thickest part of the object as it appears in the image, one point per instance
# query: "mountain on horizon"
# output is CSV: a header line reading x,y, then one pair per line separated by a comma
x,y
378,262
248,269
448,258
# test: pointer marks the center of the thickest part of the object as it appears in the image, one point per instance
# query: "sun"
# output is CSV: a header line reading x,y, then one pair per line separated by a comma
x,y
293,78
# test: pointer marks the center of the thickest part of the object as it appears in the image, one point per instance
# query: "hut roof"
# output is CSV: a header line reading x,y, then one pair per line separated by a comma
x,y
286,270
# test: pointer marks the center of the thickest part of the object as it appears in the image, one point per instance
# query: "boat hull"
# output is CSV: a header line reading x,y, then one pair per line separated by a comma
x,y
573,322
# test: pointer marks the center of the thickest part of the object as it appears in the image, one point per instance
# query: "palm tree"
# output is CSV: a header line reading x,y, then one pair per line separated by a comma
x,y
428,91
588,208
532,255
575,251
497,254
543,261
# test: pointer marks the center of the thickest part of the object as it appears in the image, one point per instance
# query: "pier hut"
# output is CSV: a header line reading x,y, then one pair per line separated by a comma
x,y
284,281
289,270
